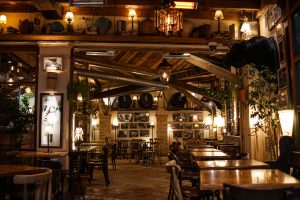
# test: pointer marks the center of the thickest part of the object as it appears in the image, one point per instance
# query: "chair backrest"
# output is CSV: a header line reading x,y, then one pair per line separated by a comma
x,y
42,182
295,164
234,192
174,171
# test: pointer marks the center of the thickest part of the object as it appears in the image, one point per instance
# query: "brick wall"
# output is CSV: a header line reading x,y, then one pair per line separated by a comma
x,y
162,129
105,128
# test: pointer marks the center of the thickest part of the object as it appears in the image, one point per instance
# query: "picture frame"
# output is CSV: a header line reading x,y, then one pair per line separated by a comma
x,y
122,134
133,133
53,63
276,12
144,133
51,121
282,77
270,22
281,51
283,100
279,31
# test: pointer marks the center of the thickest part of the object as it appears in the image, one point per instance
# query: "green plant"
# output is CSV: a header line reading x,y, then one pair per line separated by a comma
x,y
262,99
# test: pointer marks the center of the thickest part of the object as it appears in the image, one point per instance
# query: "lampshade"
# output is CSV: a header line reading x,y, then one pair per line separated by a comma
x,y
69,17
164,70
245,26
286,118
219,121
94,122
208,120
132,13
3,19
49,129
115,123
168,19
219,15
78,136
186,5
152,124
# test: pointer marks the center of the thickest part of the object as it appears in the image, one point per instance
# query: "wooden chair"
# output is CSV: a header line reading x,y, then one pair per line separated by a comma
x,y
295,164
182,192
41,181
234,192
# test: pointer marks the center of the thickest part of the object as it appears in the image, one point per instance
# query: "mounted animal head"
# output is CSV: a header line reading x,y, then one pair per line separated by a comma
x,y
258,50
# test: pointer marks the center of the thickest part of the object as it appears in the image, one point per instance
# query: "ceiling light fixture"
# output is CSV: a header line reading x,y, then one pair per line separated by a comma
x,y
168,20
164,70
186,5
100,53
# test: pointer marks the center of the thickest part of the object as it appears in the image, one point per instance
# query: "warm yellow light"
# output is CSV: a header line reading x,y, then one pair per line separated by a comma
x,y
152,124
286,118
79,97
134,98
219,15
208,120
219,121
94,122
3,19
246,28
132,13
185,5
155,98
69,17
115,123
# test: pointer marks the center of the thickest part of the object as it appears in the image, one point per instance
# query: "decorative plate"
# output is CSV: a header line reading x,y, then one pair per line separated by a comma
x,y
103,24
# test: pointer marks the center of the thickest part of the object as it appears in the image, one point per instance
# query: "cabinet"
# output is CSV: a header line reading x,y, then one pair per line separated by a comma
x,y
188,125
133,125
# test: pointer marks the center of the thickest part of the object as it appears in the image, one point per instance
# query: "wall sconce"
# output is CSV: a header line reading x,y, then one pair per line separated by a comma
x,y
69,19
3,21
164,70
115,125
245,29
152,127
132,14
219,16
286,118
192,5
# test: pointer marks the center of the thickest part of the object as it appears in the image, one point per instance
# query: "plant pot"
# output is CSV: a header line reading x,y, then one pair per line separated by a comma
x,y
243,95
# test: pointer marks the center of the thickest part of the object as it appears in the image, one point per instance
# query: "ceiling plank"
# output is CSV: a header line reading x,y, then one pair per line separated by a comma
x,y
49,8
219,71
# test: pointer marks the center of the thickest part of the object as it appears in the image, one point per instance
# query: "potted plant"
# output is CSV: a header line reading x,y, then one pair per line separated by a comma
x,y
262,99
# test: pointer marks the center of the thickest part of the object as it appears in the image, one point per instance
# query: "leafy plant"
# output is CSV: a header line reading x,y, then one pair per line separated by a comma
x,y
262,99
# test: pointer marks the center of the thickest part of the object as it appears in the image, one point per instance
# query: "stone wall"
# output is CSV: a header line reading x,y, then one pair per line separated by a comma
x,y
162,129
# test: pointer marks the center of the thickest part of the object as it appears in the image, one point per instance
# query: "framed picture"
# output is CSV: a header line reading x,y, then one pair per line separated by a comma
x,y
283,100
177,134
53,63
282,77
281,51
270,22
122,133
296,31
144,133
124,126
279,31
133,133
51,107
141,117
276,12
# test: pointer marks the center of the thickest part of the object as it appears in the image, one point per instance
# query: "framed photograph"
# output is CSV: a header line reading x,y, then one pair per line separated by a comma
x,y
133,133
144,133
124,126
296,31
282,77
177,134
279,31
187,134
269,19
53,63
124,117
133,125
283,99
276,13
122,134
51,112
281,51
141,117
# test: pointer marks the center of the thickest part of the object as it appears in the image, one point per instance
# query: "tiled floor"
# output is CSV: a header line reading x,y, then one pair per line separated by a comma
x,y
131,181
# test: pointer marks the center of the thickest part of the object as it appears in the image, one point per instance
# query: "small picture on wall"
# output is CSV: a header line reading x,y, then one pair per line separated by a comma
x,y
270,22
124,126
53,63
122,133
144,133
276,13
177,134
282,77
133,133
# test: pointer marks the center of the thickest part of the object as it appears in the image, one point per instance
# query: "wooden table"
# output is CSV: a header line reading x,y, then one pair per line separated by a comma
x,y
209,155
11,170
231,164
251,178
40,154
204,149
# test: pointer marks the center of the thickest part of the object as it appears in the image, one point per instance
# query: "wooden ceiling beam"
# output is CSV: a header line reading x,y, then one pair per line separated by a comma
x,y
218,71
49,8
109,64
123,91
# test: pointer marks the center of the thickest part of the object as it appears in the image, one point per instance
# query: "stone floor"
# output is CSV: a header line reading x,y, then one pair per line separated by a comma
x,y
131,181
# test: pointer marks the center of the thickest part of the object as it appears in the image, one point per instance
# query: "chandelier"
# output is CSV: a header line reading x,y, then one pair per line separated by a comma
x,y
168,20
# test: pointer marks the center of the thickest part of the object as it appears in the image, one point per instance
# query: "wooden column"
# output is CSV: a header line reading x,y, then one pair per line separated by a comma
x,y
162,129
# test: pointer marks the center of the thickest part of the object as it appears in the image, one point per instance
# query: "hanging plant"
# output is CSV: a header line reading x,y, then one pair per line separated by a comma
x,y
78,88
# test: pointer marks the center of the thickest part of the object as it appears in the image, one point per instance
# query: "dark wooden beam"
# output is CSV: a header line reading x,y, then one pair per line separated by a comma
x,y
218,71
109,64
123,91
49,8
